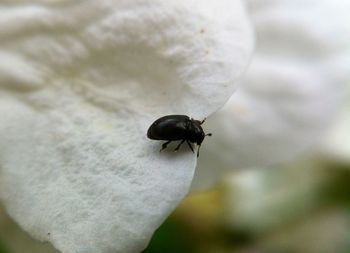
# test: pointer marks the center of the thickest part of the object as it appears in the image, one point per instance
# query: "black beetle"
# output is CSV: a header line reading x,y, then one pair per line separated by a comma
x,y
177,127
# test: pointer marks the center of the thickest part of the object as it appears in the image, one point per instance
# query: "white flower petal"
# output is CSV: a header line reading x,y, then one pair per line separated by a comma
x,y
80,84
288,98
81,178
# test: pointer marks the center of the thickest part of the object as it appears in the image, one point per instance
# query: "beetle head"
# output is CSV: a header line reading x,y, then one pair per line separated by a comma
x,y
197,133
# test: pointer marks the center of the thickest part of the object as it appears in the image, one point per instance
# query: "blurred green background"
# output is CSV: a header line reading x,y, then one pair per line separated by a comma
x,y
303,207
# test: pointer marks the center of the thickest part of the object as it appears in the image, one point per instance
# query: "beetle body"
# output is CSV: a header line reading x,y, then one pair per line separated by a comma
x,y
177,127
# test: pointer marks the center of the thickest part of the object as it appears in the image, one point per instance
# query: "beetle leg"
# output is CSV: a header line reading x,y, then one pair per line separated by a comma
x,y
178,146
164,145
203,120
199,147
189,144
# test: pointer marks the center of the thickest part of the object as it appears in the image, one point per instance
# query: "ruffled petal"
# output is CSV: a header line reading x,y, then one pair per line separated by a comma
x,y
80,83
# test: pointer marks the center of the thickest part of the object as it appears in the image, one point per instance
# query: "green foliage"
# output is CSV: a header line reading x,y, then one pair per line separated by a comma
x,y
169,238
338,191
3,248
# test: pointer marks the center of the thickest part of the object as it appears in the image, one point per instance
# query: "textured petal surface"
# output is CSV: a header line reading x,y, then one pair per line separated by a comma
x,y
80,82
290,92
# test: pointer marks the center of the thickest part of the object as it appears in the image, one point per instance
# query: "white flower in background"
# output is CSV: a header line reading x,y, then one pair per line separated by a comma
x,y
285,205
337,143
80,82
259,200
291,92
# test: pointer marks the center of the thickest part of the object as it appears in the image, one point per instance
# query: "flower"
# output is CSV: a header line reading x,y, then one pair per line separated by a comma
x,y
291,92
336,145
80,82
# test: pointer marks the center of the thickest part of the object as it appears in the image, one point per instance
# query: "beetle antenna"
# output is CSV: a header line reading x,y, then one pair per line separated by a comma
x,y
209,134
203,120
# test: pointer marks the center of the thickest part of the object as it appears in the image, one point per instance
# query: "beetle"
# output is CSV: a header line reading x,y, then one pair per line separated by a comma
x,y
175,128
